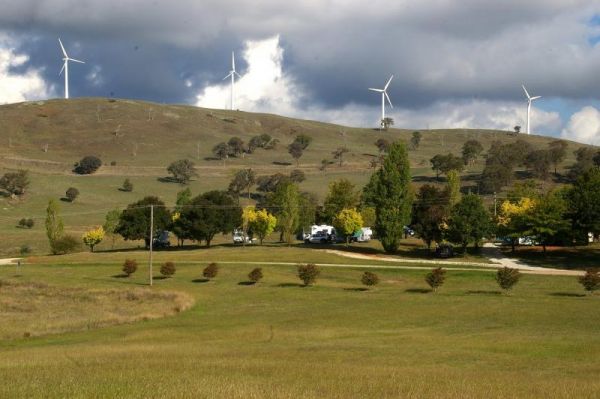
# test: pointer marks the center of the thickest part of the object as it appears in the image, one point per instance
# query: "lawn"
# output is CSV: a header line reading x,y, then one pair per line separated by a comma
x,y
278,339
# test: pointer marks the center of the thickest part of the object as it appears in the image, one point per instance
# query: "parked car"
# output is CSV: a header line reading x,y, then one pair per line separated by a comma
x,y
408,231
240,238
161,240
320,237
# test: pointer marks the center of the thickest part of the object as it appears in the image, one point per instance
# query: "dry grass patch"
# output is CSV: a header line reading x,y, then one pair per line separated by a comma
x,y
33,309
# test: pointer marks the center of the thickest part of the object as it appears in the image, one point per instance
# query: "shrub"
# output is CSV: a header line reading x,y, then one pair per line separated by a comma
x,y
88,165
15,183
26,223
167,269
590,280
436,278
113,163
25,249
127,186
211,270
308,273
65,244
129,267
71,194
369,279
255,275
507,277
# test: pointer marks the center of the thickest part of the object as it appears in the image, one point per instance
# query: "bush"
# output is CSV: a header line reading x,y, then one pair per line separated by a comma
x,y
26,223
369,279
129,267
25,249
15,183
436,278
113,163
65,245
127,186
507,277
211,270
71,194
167,269
308,273
255,275
87,165
590,280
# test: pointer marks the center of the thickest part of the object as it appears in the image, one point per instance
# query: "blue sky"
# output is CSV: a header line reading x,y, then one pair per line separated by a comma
x,y
455,63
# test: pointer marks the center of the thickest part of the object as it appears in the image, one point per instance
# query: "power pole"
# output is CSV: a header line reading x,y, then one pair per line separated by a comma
x,y
495,204
151,238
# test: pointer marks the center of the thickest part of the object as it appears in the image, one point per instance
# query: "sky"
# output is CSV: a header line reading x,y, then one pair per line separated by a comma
x,y
456,63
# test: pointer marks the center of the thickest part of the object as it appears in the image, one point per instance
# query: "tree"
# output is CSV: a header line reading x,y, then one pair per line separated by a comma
x,y
221,151
517,129
339,154
87,165
453,187
167,269
54,225
211,270
308,273
296,150
436,164
236,146
258,142
584,204
584,161
308,206
287,201
255,275
182,170
389,192
134,221
243,180
93,237
430,211
129,266
263,224
511,220
500,163
387,122
507,277
538,162
342,195
368,215
471,149
211,213
304,140
347,222
15,183
558,152
415,140
71,194
547,218
127,186
382,145
436,278
469,221
269,184
111,221
297,176
26,223
369,279
183,198
590,280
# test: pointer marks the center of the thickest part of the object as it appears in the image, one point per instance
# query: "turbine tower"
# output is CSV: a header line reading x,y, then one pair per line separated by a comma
x,y
232,74
65,67
529,101
384,95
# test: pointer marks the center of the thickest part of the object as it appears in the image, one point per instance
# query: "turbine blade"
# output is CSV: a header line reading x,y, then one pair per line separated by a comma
x,y
535,98
74,60
388,82
62,69
239,76
232,61
525,90
227,75
377,90
63,48
388,98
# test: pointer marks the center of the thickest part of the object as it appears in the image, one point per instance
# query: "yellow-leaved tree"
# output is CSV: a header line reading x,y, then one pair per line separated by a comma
x,y
347,222
93,237
263,224
511,219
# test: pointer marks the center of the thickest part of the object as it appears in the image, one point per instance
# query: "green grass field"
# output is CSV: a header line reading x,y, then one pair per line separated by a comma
x,y
278,339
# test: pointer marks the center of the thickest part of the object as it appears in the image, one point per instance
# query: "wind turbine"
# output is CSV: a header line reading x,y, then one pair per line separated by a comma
x,y
529,101
65,67
384,95
232,74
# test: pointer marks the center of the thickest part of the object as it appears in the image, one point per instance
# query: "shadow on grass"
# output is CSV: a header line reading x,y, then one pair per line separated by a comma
x,y
200,280
483,292
567,294
120,276
160,277
246,283
418,290
359,289
285,285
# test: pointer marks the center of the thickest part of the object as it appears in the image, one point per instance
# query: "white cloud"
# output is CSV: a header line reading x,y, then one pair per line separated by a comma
x,y
17,87
263,87
584,126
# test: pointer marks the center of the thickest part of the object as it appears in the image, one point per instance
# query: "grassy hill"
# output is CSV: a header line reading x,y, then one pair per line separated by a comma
x,y
140,139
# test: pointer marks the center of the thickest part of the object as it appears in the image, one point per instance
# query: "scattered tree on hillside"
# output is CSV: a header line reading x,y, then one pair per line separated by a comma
x,y
236,147
387,122
304,140
182,170
296,150
87,165
342,194
430,211
369,279
347,222
415,140
339,154
93,237
445,163
538,162
261,141
71,194
243,180
26,223
469,221
500,163
471,149
382,145
517,129
134,221
15,183
221,151
54,225
127,186
558,152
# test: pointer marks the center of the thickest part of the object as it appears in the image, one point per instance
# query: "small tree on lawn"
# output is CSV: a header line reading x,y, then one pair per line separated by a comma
x,y
369,279
590,280
167,269
127,186
507,278
436,278
263,224
71,194
129,266
211,270
182,170
54,225
255,275
347,222
93,237
15,183
308,273
88,165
